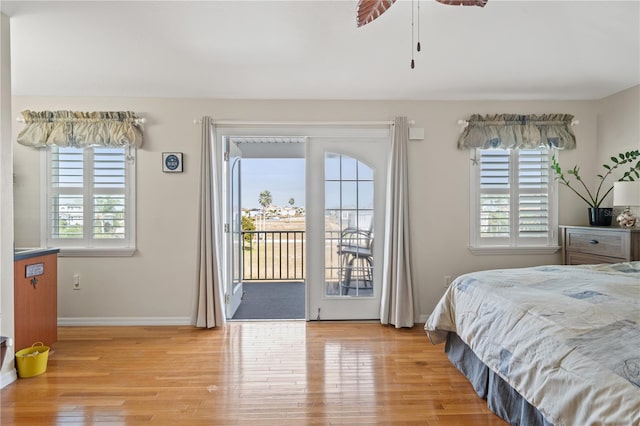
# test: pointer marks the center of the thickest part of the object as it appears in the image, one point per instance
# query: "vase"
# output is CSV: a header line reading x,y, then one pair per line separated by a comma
x,y
600,216
626,219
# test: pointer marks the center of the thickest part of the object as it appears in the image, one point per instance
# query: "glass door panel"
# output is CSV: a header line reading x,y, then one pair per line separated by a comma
x,y
348,227
347,179
234,288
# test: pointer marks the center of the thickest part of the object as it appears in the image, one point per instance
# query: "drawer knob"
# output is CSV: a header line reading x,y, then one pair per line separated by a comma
x,y
593,241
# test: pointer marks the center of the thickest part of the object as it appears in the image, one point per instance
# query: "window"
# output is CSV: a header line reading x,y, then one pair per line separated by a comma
x,y
513,201
90,200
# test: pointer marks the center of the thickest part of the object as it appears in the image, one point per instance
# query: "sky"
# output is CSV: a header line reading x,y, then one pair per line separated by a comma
x,y
283,177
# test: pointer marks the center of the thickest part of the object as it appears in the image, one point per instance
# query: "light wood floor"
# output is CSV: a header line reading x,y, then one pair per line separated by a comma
x,y
247,373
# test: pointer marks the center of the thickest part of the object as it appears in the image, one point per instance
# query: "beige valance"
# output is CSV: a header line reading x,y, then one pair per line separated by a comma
x,y
512,131
80,129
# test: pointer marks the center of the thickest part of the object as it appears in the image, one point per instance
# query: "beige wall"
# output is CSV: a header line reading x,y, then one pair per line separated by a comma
x,y
158,283
618,124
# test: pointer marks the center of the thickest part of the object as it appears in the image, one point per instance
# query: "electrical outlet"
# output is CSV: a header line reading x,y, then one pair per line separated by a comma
x,y
447,280
76,281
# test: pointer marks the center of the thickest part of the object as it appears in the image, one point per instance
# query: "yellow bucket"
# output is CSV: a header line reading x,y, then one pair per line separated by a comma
x,y
32,361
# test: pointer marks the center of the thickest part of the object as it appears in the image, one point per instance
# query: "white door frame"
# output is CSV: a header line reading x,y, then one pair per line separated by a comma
x,y
233,295
328,130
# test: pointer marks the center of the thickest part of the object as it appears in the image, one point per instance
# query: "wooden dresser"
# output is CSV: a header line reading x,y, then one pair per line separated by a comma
x,y
588,244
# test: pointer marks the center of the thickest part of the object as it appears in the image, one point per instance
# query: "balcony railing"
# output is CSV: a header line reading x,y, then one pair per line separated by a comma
x,y
279,255
273,255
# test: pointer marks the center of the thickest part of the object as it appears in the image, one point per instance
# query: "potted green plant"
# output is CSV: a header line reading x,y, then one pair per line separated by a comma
x,y
599,216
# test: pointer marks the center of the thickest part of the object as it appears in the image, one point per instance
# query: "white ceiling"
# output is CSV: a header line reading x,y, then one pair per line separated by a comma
x,y
313,50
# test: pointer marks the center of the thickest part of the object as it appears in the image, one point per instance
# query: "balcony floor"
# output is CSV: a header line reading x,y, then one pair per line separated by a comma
x,y
269,300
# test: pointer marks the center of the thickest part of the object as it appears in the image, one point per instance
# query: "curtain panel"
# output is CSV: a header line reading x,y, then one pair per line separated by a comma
x,y
512,131
210,310
114,129
397,302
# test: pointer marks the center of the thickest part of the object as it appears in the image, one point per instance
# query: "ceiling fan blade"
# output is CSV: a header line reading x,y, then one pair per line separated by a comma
x,y
480,3
369,10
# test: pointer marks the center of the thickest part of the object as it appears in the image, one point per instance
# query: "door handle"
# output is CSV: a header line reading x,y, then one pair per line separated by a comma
x,y
593,241
34,281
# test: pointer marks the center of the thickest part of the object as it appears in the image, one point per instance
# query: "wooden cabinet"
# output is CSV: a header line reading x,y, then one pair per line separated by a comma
x,y
586,244
35,299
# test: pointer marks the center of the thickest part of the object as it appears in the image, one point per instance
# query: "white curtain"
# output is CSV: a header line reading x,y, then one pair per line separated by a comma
x,y
397,289
210,286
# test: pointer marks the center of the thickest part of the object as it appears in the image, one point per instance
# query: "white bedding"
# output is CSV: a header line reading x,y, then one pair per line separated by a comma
x,y
567,338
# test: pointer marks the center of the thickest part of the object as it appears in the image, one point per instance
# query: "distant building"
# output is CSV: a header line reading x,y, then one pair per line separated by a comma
x,y
274,212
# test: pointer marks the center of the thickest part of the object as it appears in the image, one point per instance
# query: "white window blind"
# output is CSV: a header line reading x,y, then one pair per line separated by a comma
x,y
90,198
109,206
513,199
533,194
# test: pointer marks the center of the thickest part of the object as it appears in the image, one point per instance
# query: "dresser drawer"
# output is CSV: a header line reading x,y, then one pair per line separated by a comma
x,y
601,243
577,258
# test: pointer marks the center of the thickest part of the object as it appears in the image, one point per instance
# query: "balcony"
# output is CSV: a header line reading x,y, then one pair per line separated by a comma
x,y
277,258
280,255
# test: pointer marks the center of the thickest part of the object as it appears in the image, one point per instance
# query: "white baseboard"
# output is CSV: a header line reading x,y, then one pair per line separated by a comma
x,y
124,321
8,377
113,321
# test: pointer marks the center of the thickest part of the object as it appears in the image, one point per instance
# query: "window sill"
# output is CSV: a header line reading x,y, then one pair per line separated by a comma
x,y
96,252
514,250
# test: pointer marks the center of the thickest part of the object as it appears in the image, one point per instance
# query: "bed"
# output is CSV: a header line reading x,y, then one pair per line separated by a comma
x,y
548,345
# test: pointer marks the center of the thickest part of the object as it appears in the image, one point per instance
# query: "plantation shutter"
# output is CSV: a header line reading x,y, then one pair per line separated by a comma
x,y
495,194
109,209
533,194
67,195
89,197
513,198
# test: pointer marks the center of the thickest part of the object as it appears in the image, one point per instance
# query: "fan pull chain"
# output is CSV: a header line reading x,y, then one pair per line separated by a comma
x,y
413,64
413,33
418,46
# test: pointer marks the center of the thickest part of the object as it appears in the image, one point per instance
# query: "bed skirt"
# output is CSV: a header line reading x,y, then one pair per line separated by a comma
x,y
501,398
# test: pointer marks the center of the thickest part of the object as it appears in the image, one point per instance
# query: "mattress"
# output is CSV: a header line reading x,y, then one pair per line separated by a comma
x,y
566,338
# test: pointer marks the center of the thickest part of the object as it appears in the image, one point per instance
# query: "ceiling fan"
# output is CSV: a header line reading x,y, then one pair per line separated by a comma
x,y
369,10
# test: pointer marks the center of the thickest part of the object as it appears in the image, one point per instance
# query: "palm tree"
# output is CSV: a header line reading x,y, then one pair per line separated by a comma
x,y
265,201
292,201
